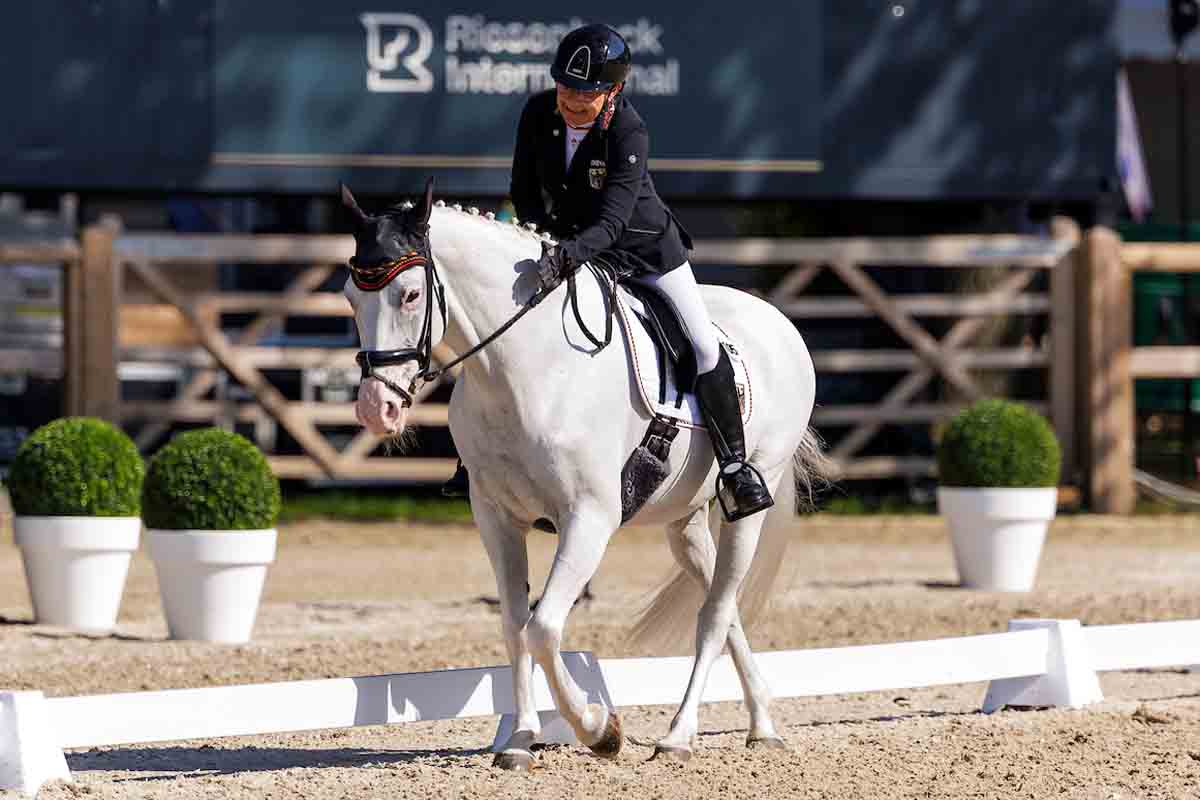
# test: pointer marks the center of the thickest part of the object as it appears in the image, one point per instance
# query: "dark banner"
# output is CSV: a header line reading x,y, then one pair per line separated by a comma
x,y
318,86
824,98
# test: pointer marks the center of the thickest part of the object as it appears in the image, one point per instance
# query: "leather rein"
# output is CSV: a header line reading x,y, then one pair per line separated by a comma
x,y
376,279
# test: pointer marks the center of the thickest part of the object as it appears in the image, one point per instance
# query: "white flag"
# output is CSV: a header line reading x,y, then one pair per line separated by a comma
x,y
1130,164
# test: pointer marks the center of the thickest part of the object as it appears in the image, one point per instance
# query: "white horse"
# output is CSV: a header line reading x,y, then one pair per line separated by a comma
x,y
545,421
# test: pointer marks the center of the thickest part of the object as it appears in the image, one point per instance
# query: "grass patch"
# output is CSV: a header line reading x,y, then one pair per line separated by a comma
x,y
855,505
373,506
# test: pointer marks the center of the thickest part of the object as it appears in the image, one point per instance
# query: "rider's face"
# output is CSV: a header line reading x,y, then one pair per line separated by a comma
x,y
580,108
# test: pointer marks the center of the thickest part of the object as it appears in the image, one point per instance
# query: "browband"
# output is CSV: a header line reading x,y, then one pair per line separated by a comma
x,y
372,280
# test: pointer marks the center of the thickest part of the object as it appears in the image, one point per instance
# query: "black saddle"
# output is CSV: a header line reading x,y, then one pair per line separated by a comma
x,y
668,335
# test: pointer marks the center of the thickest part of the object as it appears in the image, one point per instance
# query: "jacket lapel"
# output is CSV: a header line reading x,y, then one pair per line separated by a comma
x,y
556,155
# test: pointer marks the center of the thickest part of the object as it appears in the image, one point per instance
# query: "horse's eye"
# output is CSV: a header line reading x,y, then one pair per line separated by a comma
x,y
411,296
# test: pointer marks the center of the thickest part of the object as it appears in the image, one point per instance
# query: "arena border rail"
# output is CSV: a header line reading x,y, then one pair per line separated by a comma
x,y
1036,663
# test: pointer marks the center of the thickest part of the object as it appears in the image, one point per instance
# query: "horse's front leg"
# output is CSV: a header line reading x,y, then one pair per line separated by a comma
x,y
582,539
504,541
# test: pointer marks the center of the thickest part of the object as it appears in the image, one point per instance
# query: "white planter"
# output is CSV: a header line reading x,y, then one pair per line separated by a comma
x,y
997,534
76,567
211,581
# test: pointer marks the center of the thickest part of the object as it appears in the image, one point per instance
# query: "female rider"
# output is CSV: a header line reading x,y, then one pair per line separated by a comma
x,y
580,172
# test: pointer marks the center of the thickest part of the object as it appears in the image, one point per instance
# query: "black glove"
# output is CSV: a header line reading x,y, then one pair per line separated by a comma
x,y
553,266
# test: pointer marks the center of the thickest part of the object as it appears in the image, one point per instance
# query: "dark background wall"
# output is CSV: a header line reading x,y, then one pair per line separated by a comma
x,y
905,99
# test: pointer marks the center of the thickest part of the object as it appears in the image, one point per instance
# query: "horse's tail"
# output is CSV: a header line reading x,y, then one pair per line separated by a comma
x,y
668,622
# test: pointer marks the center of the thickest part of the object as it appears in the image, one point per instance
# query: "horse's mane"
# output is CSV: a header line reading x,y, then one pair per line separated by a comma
x,y
513,227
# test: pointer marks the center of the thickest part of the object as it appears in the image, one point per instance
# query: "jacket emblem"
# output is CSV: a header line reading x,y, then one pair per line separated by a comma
x,y
597,172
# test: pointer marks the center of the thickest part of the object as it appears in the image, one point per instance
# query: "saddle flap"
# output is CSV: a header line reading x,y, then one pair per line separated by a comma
x,y
665,328
660,388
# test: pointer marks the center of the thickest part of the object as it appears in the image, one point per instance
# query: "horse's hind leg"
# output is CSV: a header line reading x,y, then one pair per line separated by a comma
x,y
692,545
505,545
735,552
581,544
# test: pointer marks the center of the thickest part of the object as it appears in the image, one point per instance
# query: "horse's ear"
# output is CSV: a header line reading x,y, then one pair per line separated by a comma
x,y
427,201
350,203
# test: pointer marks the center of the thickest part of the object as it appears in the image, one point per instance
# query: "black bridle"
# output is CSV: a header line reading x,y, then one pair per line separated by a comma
x,y
377,278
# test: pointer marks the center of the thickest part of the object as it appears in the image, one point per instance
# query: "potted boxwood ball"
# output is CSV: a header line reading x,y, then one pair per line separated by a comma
x,y
210,502
75,487
998,467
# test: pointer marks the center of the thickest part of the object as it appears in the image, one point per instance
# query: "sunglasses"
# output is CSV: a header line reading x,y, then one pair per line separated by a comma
x,y
588,94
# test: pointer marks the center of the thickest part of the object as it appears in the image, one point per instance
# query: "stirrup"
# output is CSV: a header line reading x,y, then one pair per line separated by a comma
x,y
742,492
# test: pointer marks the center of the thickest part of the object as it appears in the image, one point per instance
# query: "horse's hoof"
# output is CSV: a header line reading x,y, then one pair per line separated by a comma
x,y
514,761
766,743
609,743
671,752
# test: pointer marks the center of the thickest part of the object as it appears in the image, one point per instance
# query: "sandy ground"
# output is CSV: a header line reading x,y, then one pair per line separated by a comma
x,y
366,599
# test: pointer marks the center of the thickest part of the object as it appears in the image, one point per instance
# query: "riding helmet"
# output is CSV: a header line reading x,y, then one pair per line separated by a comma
x,y
591,58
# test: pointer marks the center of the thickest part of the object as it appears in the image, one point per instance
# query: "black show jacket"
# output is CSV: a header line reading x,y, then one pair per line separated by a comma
x,y
606,203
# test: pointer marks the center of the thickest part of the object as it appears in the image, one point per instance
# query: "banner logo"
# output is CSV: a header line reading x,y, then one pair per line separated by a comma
x,y
482,56
398,45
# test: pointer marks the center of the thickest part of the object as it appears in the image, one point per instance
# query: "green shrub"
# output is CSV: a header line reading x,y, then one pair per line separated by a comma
x,y
998,443
76,466
210,479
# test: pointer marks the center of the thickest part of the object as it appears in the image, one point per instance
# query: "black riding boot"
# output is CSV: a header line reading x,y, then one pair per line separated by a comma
x,y
459,484
740,488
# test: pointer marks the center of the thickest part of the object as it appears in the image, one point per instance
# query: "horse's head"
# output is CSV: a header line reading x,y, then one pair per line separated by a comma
x,y
398,307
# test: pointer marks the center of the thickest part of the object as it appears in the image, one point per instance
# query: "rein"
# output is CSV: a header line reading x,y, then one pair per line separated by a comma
x,y
375,280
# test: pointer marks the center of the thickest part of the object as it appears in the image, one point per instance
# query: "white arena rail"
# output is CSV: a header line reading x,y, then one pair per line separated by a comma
x,y
1036,663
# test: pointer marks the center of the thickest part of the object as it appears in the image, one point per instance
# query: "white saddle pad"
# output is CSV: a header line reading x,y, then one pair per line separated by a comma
x,y
644,359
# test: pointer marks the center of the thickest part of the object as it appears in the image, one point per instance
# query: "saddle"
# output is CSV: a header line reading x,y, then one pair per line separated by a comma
x,y
666,331
664,369
663,365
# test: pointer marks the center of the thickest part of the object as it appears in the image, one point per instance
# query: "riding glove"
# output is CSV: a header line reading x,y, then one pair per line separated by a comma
x,y
553,266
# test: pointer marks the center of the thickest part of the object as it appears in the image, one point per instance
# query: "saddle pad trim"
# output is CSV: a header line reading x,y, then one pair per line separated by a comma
x,y
741,369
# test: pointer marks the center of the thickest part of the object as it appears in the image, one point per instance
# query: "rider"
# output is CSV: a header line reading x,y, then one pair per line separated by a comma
x,y
579,171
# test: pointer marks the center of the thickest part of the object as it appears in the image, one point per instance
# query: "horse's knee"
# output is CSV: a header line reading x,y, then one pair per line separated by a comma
x,y
541,637
718,613
514,620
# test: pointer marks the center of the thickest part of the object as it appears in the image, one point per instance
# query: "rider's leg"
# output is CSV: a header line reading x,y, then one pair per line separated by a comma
x,y
743,491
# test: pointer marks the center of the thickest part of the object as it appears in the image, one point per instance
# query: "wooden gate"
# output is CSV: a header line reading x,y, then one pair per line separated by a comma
x,y
162,263
950,358
158,261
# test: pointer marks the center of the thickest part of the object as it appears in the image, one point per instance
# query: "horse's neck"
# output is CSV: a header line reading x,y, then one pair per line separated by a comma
x,y
477,259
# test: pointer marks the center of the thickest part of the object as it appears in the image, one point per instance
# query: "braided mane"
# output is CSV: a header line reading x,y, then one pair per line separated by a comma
x,y
526,230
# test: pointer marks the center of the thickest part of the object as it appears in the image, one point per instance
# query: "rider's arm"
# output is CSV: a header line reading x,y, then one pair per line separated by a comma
x,y
626,174
525,189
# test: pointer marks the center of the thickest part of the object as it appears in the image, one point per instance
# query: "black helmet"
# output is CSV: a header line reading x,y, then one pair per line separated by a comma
x,y
591,58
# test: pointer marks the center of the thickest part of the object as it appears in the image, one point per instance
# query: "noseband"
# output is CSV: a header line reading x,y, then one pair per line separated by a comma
x,y
374,280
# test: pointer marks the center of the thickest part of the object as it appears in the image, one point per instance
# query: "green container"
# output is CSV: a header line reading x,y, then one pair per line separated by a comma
x,y
1160,318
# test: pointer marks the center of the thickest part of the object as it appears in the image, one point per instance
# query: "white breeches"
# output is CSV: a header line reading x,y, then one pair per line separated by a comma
x,y
679,288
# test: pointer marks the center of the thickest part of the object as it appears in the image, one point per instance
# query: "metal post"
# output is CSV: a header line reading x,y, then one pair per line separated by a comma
x,y
1184,17
1181,128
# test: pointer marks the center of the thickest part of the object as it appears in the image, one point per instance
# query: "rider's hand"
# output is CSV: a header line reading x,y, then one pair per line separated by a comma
x,y
553,266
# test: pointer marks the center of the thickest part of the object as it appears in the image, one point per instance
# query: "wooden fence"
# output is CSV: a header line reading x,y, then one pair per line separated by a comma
x,y
1086,305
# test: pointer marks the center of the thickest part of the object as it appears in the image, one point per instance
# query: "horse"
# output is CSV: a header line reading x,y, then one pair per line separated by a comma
x,y
544,420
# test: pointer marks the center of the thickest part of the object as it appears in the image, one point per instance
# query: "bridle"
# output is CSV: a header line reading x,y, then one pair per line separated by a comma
x,y
374,279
